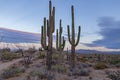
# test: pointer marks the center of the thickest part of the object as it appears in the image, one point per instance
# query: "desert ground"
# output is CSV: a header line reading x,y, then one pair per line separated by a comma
x,y
31,65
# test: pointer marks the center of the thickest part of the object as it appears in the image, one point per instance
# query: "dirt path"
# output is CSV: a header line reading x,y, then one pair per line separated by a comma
x,y
7,64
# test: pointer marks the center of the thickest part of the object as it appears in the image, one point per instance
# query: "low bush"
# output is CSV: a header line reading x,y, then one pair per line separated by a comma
x,y
84,59
100,66
41,74
55,56
79,72
8,56
41,55
59,68
12,72
114,75
114,62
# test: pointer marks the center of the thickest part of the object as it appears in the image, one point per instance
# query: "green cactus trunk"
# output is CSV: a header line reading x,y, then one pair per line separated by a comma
x,y
72,40
60,41
48,31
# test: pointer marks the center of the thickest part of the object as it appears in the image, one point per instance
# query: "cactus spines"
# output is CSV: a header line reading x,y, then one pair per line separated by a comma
x,y
60,41
72,40
48,32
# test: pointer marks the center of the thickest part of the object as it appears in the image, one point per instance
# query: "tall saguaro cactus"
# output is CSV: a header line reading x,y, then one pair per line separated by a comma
x,y
72,40
60,41
48,31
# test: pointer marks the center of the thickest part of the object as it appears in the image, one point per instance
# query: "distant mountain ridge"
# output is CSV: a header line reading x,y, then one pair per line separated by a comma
x,y
16,36
96,52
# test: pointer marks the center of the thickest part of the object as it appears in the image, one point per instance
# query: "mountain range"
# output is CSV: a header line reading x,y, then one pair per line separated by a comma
x,y
96,52
15,36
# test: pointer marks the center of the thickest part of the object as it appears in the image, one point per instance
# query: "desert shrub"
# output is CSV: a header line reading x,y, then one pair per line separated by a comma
x,y
82,65
12,72
27,60
90,78
59,68
28,56
38,73
41,55
40,49
84,59
55,56
80,72
114,75
84,72
100,66
8,56
117,65
114,62
5,50
31,50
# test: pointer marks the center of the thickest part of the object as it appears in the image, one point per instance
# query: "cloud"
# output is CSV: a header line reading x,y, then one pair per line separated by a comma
x,y
110,31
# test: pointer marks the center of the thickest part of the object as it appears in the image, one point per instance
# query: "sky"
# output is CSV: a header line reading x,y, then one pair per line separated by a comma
x,y
99,19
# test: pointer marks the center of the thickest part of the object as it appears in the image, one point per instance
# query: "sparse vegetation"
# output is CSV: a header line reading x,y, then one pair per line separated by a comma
x,y
41,74
59,68
41,55
48,63
114,75
12,72
55,56
100,66
83,59
8,56
114,62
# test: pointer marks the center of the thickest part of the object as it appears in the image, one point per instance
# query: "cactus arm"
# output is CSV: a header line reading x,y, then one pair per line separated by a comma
x,y
78,38
43,41
44,32
47,28
68,28
42,35
72,11
53,20
60,26
50,9
60,33
57,39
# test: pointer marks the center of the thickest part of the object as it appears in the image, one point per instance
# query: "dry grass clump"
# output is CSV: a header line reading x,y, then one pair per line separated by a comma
x,y
100,66
59,68
12,72
41,55
8,56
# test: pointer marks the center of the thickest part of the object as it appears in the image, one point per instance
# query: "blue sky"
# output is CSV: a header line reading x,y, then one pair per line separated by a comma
x,y
27,15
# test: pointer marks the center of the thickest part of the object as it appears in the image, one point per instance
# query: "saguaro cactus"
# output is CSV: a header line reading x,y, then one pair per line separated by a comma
x,y
48,31
72,40
60,43
43,35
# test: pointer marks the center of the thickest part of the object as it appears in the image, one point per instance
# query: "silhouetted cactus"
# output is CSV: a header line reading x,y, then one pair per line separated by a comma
x,y
48,30
60,43
72,40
